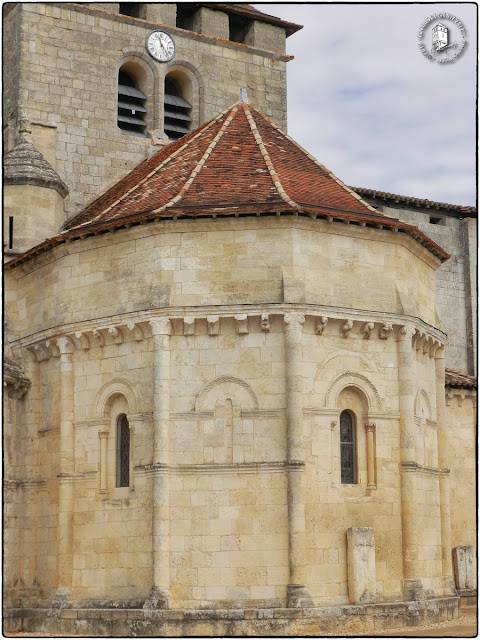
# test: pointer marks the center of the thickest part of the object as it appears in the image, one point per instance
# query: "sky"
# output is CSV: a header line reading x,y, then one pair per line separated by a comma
x,y
366,102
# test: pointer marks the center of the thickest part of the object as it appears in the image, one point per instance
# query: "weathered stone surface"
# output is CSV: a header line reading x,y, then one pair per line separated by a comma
x,y
361,564
463,567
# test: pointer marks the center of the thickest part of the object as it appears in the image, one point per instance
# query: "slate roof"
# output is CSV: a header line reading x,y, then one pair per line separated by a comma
x,y
238,164
467,210
459,380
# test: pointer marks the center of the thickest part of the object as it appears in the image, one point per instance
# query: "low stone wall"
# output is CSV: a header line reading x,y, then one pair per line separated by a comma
x,y
369,618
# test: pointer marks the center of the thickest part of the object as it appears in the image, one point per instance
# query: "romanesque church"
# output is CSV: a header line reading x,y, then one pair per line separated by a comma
x,y
239,394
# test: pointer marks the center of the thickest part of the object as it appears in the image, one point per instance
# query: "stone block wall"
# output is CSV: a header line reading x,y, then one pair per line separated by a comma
x,y
229,406
456,279
461,413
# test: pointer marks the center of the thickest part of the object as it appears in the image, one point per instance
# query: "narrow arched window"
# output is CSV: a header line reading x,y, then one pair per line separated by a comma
x,y
123,452
348,460
177,110
132,108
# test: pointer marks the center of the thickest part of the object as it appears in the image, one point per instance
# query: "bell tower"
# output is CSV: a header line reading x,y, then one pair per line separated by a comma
x,y
104,85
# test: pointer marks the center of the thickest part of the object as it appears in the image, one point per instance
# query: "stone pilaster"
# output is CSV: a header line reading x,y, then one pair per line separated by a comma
x,y
159,596
66,470
297,592
412,584
447,568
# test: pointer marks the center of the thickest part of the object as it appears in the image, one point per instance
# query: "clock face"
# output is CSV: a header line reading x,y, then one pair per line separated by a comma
x,y
160,46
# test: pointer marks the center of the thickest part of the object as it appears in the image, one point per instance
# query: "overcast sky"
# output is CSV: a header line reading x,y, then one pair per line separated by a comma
x,y
367,104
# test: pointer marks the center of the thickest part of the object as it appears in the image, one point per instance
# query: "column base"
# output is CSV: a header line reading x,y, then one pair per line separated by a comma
x,y
449,586
413,590
158,599
298,596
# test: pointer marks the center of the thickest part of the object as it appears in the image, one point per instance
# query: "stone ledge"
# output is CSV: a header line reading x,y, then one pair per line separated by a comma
x,y
232,622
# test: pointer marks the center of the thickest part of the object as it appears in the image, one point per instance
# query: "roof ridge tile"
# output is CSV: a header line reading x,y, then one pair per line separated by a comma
x,y
319,164
200,164
166,161
268,161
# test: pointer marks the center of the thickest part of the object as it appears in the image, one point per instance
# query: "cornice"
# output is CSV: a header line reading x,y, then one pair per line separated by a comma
x,y
135,326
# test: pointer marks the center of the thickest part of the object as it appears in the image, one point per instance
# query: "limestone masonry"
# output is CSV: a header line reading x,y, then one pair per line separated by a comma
x,y
239,394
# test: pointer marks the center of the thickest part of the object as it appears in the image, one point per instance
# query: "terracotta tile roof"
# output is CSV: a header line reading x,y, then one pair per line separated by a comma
x,y
457,379
240,159
418,202
239,163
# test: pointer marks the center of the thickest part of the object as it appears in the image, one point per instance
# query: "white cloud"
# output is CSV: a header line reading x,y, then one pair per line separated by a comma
x,y
365,102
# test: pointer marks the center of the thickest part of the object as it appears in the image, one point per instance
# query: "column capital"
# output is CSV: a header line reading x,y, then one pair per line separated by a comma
x,y
103,434
370,426
294,320
405,332
65,345
161,326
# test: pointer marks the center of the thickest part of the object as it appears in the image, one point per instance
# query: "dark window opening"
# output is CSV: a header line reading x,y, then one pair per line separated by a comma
x,y
437,220
347,448
123,452
131,106
238,28
130,9
177,118
10,232
185,13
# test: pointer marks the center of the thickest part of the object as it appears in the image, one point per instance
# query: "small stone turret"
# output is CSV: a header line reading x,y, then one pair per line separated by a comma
x,y
33,196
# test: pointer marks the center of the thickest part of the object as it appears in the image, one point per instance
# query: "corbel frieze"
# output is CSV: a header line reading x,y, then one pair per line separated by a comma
x,y
459,394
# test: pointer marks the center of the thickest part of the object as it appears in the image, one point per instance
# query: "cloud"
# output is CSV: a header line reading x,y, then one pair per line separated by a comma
x,y
364,100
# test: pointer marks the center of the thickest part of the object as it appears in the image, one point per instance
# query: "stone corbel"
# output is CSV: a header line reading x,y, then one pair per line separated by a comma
x,y
449,397
265,322
116,334
213,325
135,330
98,339
419,339
435,348
41,352
320,325
188,326
427,345
241,323
53,347
81,340
385,330
367,329
345,328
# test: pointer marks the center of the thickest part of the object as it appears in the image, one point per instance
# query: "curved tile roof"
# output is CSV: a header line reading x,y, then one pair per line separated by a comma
x,y
239,163
460,380
418,202
238,160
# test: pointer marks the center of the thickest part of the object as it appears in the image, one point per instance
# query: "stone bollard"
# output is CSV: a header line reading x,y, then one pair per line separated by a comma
x,y
361,565
463,567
